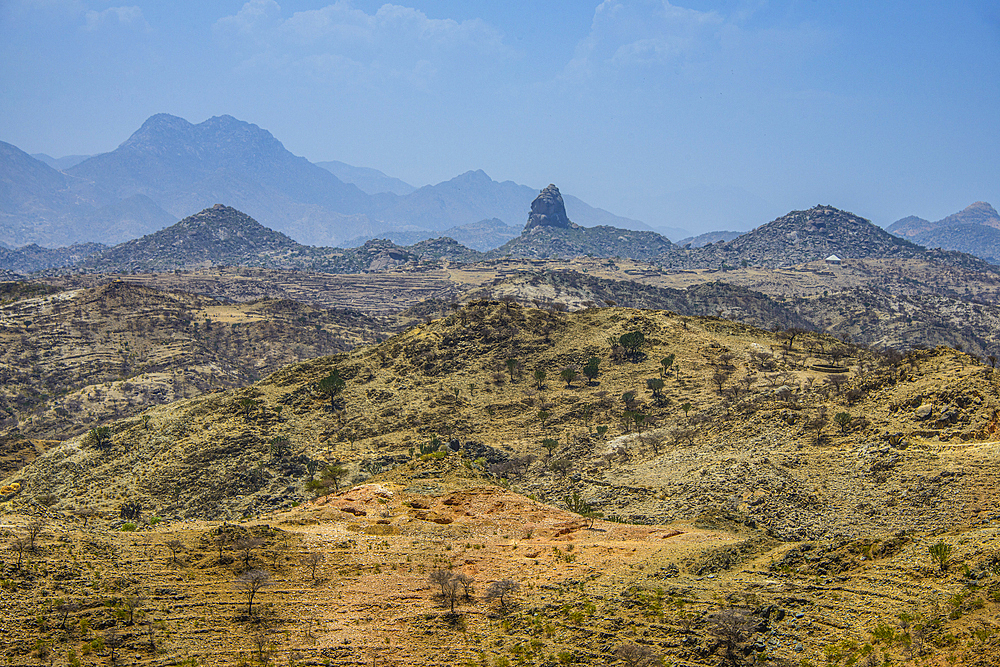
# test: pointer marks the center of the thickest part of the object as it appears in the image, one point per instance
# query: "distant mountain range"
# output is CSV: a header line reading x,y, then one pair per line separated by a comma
x,y
974,230
222,235
170,167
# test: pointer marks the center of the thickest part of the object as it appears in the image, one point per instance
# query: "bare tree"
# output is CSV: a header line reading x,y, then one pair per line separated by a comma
x,y
85,513
634,655
131,605
174,545
246,545
440,578
221,540
34,530
732,627
19,545
501,590
113,641
312,560
466,582
251,582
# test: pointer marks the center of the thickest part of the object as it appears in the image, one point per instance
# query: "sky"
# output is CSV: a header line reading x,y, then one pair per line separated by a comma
x,y
700,115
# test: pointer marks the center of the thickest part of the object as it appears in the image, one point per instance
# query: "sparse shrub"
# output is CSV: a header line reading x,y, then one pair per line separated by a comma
x,y
131,510
280,446
100,437
843,420
941,554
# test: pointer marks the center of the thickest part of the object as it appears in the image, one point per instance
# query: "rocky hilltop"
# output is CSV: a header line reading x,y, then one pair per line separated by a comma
x,y
974,230
801,237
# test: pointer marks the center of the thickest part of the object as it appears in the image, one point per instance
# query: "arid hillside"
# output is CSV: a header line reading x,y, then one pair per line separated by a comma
x,y
705,491
74,359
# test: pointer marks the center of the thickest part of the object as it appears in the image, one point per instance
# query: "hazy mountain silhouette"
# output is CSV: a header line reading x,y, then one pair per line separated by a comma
x,y
974,230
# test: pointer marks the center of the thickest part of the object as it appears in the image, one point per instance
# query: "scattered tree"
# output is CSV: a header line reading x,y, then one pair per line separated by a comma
x,y
561,466
174,545
467,584
732,627
100,437
543,416
280,447
331,386
502,590
634,655
655,385
131,510
550,444
312,561
632,342
34,530
568,374
251,582
19,545
246,546
665,364
512,365
113,641
539,376
591,370
85,513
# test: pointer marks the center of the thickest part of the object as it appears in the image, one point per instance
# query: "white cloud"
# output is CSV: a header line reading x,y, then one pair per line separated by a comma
x,y
636,36
125,16
340,41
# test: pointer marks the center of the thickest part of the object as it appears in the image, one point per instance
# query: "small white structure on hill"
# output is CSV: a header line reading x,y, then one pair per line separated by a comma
x,y
832,259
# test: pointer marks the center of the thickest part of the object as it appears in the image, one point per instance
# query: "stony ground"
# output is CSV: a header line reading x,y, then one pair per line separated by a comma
x,y
696,593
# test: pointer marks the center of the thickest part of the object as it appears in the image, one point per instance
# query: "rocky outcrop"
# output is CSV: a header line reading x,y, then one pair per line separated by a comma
x,y
548,210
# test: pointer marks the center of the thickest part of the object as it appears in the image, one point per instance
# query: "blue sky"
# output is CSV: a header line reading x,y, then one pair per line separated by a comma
x,y
697,114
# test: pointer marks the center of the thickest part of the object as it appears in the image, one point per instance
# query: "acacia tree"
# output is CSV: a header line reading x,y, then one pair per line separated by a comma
x,y
246,546
19,545
502,590
550,444
512,365
174,545
591,370
539,375
331,386
251,582
568,374
311,561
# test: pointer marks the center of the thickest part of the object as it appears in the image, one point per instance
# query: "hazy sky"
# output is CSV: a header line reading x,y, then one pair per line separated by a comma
x,y
698,114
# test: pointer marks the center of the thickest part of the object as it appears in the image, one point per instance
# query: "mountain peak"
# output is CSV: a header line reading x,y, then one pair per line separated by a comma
x,y
978,213
548,210
473,176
